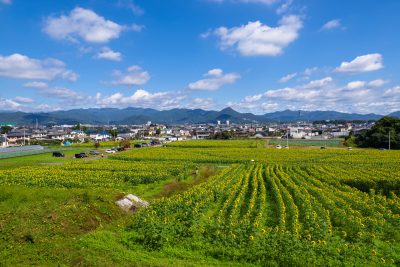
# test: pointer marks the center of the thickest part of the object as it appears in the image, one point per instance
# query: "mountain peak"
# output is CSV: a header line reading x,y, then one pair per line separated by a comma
x,y
228,110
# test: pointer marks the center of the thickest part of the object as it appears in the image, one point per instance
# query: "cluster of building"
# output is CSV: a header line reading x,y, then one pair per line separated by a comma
x,y
100,133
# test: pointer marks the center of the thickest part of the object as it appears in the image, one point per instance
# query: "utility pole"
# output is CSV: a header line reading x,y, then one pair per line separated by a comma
x,y
389,138
287,138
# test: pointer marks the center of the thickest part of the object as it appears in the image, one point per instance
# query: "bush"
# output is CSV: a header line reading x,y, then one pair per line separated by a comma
x,y
125,144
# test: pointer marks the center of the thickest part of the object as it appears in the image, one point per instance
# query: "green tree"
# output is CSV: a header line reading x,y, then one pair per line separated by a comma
x,y
114,133
96,145
125,144
76,127
378,135
79,127
5,129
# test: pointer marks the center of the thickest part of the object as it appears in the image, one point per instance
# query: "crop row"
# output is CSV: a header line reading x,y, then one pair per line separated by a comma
x,y
251,204
101,173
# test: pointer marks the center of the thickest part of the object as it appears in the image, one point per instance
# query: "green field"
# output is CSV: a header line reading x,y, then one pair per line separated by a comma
x,y
305,142
247,205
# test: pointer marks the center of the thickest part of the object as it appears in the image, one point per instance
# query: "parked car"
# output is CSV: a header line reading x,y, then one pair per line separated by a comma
x,y
58,154
349,148
287,147
278,147
382,148
322,147
137,146
120,149
81,155
94,153
110,151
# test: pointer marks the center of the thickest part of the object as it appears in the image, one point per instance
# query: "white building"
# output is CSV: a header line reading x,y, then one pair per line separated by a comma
x,y
102,136
3,141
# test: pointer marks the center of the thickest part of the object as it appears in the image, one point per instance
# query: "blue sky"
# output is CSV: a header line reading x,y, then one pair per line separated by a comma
x,y
252,55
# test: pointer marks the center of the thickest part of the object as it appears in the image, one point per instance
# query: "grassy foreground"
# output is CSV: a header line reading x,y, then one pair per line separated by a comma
x,y
248,205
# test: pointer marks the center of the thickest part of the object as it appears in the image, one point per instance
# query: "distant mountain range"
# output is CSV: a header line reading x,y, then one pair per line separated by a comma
x,y
173,116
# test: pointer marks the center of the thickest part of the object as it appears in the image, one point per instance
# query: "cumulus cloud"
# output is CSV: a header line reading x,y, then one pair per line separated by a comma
x,y
141,98
393,92
287,78
258,39
109,54
35,85
62,93
214,79
8,104
22,67
134,75
365,63
377,83
363,84
23,100
356,85
202,103
325,94
82,24
332,24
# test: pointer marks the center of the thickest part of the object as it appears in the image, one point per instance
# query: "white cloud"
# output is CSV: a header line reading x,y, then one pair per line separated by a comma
x,y
269,106
332,24
23,100
356,85
292,94
84,24
22,67
377,83
365,63
257,39
134,75
310,71
141,98
202,103
283,8
131,5
325,94
214,79
7,2
44,108
287,78
8,104
109,54
393,92
136,27
62,93
253,98
317,84
36,85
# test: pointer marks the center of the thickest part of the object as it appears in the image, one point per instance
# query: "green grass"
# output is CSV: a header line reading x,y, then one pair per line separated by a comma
x,y
301,142
42,226
38,159
50,225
